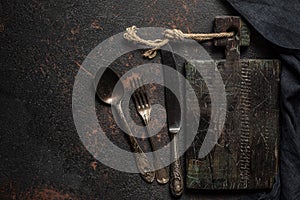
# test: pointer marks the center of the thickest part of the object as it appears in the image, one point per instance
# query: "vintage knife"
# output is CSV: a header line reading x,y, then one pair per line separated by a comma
x,y
174,117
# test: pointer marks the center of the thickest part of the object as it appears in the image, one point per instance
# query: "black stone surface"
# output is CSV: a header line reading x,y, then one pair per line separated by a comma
x,y
42,46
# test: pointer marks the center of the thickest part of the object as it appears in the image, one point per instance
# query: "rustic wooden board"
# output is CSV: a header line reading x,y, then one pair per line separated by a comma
x,y
232,23
246,154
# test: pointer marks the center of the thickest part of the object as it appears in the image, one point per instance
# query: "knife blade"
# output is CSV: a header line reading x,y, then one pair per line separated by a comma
x,y
174,117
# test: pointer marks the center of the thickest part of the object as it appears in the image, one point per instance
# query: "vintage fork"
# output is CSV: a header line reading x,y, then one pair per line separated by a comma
x,y
143,107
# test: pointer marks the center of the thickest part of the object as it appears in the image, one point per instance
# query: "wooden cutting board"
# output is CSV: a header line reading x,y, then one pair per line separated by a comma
x,y
246,154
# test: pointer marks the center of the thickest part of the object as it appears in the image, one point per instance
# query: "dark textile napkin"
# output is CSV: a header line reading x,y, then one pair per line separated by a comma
x,y
279,22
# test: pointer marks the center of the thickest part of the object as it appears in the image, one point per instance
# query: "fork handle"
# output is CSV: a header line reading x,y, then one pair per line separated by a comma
x,y
142,162
162,175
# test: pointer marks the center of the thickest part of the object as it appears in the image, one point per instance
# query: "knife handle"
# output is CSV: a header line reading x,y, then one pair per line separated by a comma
x,y
142,162
162,175
176,179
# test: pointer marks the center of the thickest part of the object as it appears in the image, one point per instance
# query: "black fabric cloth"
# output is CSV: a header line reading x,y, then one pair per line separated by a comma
x,y
279,22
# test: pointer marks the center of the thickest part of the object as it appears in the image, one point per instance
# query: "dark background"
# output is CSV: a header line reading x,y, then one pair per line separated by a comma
x,y
43,44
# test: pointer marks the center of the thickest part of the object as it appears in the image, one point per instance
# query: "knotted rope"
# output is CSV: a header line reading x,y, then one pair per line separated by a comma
x,y
170,34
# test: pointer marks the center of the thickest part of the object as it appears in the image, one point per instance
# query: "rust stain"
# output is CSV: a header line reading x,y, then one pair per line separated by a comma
x,y
185,7
188,30
46,58
2,28
130,56
95,24
158,136
94,165
45,194
151,20
71,38
76,49
85,70
10,190
172,25
47,41
42,70
75,30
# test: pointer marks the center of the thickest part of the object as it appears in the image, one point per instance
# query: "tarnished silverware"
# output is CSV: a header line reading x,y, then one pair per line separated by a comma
x,y
174,120
104,89
143,107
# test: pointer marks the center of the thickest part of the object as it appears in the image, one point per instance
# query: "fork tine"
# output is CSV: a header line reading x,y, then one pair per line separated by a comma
x,y
133,85
143,93
137,93
140,93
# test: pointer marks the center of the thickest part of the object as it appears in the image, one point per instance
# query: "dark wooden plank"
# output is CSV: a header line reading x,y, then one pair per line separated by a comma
x,y
232,23
246,154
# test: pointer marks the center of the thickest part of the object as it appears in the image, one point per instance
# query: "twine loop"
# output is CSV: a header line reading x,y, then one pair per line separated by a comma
x,y
169,35
174,34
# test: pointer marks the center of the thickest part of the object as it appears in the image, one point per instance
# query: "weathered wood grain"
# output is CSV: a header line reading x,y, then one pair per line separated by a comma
x,y
232,23
246,154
